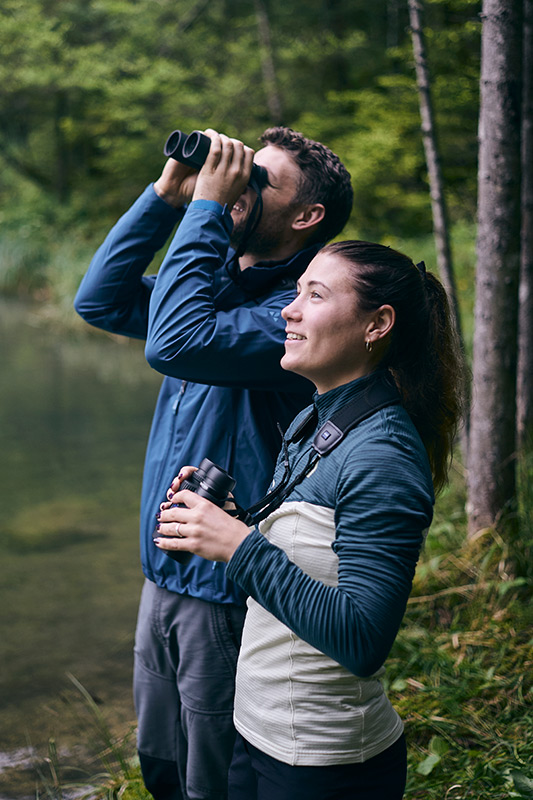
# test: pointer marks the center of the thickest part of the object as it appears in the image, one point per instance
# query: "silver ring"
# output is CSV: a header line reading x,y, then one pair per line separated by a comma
x,y
178,534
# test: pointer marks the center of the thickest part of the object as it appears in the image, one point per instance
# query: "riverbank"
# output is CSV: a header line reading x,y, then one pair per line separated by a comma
x,y
75,414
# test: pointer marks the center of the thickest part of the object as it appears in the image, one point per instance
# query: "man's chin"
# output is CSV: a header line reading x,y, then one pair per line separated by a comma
x,y
237,234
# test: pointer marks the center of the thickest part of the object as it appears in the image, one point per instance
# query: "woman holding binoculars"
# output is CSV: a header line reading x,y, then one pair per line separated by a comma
x,y
328,572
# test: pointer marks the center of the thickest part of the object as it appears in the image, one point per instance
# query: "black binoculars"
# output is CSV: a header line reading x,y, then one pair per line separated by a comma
x,y
193,149
209,481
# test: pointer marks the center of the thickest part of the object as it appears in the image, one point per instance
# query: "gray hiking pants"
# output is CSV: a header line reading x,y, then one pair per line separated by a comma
x,y
184,672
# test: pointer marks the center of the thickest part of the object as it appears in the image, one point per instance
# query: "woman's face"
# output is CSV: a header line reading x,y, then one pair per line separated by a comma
x,y
325,330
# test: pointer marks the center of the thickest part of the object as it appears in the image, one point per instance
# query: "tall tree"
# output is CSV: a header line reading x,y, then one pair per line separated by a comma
x,y
431,149
267,62
525,328
492,457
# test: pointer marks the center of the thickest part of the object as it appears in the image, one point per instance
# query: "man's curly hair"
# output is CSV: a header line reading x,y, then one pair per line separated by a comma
x,y
324,179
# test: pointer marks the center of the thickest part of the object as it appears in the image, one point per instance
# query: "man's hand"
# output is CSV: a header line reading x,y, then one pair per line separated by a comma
x,y
176,184
226,171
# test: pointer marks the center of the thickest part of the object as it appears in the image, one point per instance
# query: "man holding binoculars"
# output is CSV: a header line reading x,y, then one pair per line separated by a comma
x,y
249,226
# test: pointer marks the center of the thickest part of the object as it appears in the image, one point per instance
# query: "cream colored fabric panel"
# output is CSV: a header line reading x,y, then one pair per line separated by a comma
x,y
292,701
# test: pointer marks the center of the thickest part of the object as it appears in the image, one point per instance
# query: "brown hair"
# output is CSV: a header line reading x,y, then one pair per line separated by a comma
x,y
423,354
324,179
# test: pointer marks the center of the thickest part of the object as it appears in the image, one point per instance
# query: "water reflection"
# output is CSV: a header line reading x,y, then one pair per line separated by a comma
x,y
74,418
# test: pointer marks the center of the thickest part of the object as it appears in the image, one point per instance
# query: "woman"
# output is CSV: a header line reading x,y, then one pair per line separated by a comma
x,y
329,571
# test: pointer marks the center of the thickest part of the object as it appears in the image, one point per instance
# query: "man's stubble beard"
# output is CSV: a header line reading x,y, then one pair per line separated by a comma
x,y
267,237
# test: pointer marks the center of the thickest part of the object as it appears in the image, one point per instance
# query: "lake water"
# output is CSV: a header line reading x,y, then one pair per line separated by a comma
x,y
75,412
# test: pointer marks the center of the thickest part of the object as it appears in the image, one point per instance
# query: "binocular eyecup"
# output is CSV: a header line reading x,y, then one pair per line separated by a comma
x,y
192,150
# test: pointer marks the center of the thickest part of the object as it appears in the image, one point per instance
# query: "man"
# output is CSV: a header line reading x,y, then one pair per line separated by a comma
x,y
212,323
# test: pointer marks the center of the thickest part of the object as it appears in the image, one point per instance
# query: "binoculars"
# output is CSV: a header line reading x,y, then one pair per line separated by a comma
x,y
209,481
193,149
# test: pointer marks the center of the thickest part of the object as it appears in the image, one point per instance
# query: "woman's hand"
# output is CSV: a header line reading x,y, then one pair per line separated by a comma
x,y
200,527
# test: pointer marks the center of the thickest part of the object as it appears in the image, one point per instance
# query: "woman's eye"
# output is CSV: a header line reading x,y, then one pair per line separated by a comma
x,y
315,294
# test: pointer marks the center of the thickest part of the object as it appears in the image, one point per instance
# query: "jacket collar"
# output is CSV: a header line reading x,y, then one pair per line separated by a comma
x,y
330,402
255,280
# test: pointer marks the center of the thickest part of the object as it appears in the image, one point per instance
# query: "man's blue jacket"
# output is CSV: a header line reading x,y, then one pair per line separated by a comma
x,y
218,340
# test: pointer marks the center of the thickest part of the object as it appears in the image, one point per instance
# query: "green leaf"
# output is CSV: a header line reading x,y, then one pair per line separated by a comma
x,y
523,784
427,765
438,746
399,685
506,586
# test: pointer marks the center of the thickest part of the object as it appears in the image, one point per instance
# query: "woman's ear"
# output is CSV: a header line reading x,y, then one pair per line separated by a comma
x,y
381,324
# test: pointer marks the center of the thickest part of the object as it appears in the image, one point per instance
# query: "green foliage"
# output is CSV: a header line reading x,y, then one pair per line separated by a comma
x,y
91,89
460,673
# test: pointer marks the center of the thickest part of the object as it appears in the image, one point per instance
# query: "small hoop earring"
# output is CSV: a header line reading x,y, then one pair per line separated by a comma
x,y
369,345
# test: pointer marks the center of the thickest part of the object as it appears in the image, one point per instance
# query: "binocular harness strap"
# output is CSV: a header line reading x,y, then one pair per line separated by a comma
x,y
380,393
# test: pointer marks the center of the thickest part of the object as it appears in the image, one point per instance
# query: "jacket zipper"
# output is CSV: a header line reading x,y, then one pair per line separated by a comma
x,y
177,401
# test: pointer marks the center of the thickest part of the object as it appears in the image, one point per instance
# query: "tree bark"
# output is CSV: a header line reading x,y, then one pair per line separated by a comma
x,y
436,183
492,456
429,138
267,63
61,176
524,394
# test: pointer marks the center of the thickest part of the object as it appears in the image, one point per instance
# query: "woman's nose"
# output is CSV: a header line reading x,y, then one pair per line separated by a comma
x,y
290,311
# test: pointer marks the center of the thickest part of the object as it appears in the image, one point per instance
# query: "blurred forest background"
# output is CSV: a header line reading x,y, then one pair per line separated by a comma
x,y
89,91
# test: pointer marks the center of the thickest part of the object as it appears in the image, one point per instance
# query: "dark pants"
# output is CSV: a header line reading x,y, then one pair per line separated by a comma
x,y
184,682
256,776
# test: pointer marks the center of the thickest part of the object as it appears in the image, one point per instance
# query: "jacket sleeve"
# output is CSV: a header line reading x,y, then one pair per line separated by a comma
x,y
114,294
189,339
378,538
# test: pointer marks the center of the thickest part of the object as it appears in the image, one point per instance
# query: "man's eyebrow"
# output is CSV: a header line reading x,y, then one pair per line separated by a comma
x,y
272,179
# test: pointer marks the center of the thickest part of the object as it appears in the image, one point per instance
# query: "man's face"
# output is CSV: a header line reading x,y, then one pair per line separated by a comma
x,y
274,231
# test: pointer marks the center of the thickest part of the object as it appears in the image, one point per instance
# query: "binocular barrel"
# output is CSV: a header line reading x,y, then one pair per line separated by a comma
x,y
193,149
209,481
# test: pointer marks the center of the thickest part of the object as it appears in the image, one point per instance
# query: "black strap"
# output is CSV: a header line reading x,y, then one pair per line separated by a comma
x,y
254,218
380,393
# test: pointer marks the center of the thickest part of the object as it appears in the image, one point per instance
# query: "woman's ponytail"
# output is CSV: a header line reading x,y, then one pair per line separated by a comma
x,y
423,354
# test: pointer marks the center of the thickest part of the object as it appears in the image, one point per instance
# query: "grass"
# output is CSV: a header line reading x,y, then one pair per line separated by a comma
x,y
38,262
118,774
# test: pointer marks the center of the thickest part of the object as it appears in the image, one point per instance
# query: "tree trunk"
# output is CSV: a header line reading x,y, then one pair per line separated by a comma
x,y
492,456
62,149
524,395
436,187
436,183
267,63
393,23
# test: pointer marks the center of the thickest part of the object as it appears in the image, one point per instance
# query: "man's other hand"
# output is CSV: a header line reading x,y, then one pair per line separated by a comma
x,y
176,184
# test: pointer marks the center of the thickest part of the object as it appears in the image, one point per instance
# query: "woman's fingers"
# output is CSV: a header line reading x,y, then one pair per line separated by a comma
x,y
195,524
184,474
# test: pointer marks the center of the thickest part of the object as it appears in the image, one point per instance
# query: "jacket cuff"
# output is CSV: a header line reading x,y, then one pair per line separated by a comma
x,y
209,205
223,212
244,556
